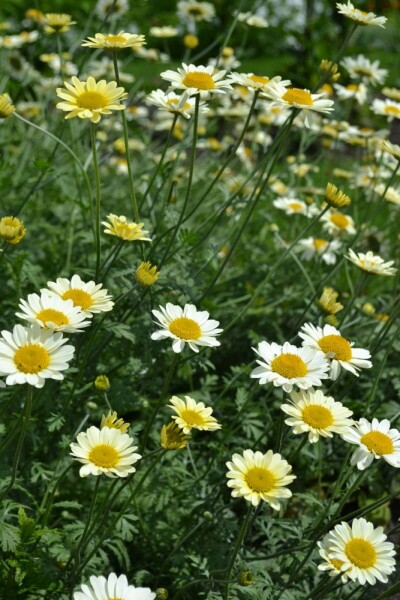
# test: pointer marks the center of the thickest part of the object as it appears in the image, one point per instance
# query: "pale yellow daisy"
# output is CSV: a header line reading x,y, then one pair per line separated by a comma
x,y
193,415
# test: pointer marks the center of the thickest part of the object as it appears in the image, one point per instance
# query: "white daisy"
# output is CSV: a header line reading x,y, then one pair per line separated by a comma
x,y
112,588
196,11
318,415
337,349
175,104
193,415
291,206
362,67
375,440
89,297
198,80
33,355
353,90
252,20
388,108
317,247
372,263
337,223
186,325
298,98
288,366
392,194
164,32
105,451
256,476
255,82
359,552
360,16
52,312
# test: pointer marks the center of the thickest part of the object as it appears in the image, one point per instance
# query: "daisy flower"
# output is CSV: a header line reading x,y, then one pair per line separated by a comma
x,y
252,20
115,41
375,440
177,105
336,198
12,230
291,206
89,297
6,106
337,223
337,349
372,263
106,451
390,194
298,98
360,16
33,355
288,366
255,82
165,32
388,108
52,312
196,11
124,229
358,551
312,247
57,22
362,67
172,437
193,415
146,274
318,415
198,80
90,99
186,325
112,588
392,149
256,476
353,90
328,303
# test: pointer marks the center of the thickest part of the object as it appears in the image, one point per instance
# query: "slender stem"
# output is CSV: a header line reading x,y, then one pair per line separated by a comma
x,y
239,541
127,154
97,211
88,522
17,455
353,297
48,499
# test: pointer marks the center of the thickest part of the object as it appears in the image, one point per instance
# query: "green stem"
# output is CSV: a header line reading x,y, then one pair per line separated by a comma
x,y
239,541
126,141
48,499
88,523
97,210
17,455
353,297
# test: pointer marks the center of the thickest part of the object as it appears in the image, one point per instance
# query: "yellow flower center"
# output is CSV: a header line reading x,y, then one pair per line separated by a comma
x,y
78,297
259,79
55,316
114,39
336,346
195,11
362,71
340,220
176,100
260,479
378,442
320,244
104,456
337,563
297,96
185,329
363,12
31,358
191,417
391,109
92,100
289,366
360,553
295,206
317,416
198,80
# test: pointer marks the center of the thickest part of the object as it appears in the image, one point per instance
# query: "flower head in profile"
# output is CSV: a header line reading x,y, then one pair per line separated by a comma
x,y
256,476
318,415
375,440
175,104
196,11
335,198
6,106
362,68
90,99
360,16
186,325
298,98
319,248
372,263
112,588
198,80
89,297
147,274
387,108
12,230
112,422
105,451
336,349
124,229
256,82
165,32
57,22
392,149
328,301
115,41
359,552
51,312
172,437
33,355
102,383
193,415
288,366
252,20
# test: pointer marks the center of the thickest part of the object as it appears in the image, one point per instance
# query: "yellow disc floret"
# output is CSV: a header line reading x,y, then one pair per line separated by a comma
x,y
297,96
78,297
316,416
336,346
31,358
289,365
54,316
185,329
260,479
198,80
378,442
104,456
360,553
